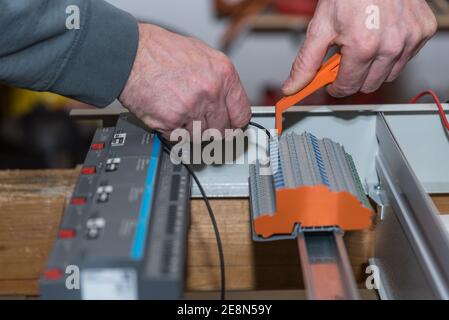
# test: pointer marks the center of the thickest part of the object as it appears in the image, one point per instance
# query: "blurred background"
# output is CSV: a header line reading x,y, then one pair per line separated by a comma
x,y
261,37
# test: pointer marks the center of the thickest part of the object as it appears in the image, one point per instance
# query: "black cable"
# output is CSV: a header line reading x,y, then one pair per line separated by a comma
x,y
261,127
167,149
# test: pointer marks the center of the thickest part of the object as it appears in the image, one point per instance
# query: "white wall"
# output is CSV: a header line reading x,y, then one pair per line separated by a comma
x,y
266,58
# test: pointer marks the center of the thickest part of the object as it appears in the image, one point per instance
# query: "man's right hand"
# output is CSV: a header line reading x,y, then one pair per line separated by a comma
x,y
176,80
370,55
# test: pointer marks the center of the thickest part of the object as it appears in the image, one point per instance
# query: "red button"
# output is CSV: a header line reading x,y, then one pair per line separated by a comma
x,y
97,146
88,170
53,274
78,201
66,233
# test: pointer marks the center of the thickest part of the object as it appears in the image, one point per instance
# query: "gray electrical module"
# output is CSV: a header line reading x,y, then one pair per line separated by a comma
x,y
302,160
123,234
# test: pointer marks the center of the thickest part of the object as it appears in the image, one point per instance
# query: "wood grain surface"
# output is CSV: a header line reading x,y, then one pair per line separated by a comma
x,y
32,202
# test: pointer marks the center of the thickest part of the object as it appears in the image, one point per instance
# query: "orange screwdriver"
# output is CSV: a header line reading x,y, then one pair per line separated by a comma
x,y
326,75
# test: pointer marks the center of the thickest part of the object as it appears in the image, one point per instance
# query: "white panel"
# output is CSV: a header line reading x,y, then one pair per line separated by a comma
x,y
425,144
420,135
355,132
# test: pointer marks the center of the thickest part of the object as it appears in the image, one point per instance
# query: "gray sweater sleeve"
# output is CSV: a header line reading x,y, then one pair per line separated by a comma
x,y
90,64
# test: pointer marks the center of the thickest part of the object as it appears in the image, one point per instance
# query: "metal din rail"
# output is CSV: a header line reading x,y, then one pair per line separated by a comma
x,y
411,247
325,266
304,160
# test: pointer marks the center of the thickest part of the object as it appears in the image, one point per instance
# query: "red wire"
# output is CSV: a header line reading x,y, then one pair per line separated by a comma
x,y
437,102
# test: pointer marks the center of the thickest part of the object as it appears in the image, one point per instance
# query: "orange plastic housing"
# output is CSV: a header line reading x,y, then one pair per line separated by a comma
x,y
326,75
313,206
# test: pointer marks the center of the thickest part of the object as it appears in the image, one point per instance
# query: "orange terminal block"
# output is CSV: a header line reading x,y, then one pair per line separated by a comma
x,y
326,75
313,206
302,190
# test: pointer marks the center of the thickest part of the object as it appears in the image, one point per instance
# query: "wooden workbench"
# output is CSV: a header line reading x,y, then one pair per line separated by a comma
x,y
32,202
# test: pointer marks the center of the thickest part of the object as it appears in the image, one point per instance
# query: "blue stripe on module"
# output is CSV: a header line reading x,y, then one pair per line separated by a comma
x,y
138,246
319,160
279,176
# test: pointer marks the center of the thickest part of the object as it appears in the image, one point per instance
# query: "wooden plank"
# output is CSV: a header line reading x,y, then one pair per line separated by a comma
x,y
250,265
19,288
441,202
31,204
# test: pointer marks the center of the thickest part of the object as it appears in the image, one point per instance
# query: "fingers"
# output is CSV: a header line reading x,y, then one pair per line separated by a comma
x,y
218,118
367,61
400,65
309,58
178,80
415,43
196,128
388,55
378,73
354,69
237,103
370,56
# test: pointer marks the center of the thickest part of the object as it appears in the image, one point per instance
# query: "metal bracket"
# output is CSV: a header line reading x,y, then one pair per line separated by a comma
x,y
412,247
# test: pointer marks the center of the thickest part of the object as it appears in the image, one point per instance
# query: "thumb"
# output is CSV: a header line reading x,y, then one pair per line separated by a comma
x,y
307,62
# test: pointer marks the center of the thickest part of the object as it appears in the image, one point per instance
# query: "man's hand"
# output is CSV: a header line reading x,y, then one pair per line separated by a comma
x,y
176,80
370,56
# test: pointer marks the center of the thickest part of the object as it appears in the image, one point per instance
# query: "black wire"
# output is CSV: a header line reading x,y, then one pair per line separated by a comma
x,y
167,149
261,127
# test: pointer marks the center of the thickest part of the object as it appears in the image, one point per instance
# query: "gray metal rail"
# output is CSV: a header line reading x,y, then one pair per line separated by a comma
x,y
412,247
304,160
325,266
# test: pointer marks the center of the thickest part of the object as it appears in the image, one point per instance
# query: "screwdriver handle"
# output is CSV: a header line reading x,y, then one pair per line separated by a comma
x,y
326,75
